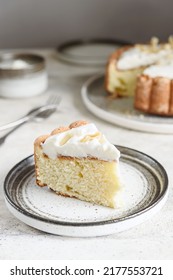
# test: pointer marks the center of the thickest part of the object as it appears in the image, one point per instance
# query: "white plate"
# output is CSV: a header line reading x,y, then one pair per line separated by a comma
x,y
88,52
145,192
120,111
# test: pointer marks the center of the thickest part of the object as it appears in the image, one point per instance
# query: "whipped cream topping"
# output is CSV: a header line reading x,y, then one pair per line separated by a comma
x,y
165,71
82,141
138,57
17,64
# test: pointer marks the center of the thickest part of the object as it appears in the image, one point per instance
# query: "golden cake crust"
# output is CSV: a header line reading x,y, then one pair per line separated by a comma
x,y
154,95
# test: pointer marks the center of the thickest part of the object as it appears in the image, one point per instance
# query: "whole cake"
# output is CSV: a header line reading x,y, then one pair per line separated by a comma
x,y
144,72
78,161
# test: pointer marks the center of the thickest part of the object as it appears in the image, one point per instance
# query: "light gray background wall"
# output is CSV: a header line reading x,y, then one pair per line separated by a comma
x,y
46,23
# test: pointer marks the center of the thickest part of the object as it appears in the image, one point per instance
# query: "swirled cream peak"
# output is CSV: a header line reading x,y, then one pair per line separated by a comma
x,y
139,56
81,141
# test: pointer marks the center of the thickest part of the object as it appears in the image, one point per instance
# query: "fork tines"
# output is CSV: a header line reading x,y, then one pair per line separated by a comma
x,y
53,99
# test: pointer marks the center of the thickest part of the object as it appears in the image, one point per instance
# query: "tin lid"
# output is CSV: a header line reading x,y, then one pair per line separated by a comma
x,y
20,64
88,52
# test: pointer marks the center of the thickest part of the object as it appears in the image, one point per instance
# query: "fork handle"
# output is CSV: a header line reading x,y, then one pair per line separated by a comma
x,y
15,123
31,115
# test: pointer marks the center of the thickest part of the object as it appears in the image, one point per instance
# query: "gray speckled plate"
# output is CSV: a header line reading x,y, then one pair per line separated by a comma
x,y
120,111
144,193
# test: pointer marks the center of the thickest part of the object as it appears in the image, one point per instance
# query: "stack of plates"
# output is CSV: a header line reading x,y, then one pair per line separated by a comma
x,y
88,52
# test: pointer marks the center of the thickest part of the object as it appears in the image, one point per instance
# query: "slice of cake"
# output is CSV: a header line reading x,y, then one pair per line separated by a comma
x,y
78,161
145,73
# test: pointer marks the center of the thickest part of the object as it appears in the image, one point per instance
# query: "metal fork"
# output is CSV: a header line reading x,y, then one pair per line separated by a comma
x,y
37,114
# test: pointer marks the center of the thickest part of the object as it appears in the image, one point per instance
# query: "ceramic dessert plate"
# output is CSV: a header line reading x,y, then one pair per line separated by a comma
x,y
121,111
92,52
145,188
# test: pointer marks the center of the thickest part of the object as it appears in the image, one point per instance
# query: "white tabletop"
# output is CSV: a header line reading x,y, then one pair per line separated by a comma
x,y
151,240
